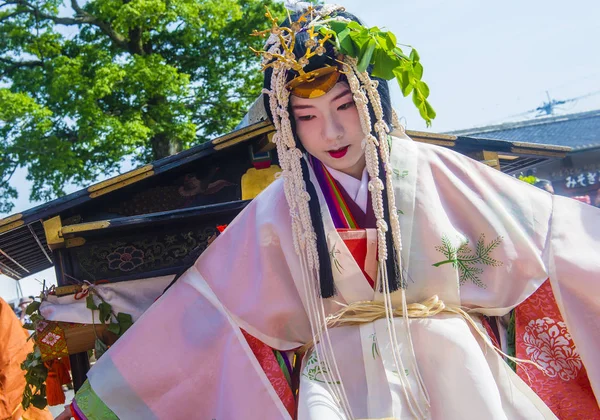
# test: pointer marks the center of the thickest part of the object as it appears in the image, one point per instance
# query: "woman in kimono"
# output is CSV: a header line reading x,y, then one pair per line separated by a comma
x,y
376,258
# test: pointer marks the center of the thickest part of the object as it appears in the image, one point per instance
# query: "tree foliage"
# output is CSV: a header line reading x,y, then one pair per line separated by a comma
x,y
82,86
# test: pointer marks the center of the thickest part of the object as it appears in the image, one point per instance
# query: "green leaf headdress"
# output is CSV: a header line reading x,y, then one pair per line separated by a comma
x,y
369,46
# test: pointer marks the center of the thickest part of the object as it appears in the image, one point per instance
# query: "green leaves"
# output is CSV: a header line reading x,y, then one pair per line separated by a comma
x,y
419,97
366,54
371,46
345,42
409,76
35,376
124,321
89,302
114,328
404,79
39,401
100,348
32,307
386,63
105,312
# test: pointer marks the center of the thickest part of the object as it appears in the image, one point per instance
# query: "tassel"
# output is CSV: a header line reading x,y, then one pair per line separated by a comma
x,y
325,270
54,391
63,370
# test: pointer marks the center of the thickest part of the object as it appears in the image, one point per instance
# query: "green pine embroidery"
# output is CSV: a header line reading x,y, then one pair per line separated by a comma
x,y
395,372
462,258
400,175
315,371
374,348
333,254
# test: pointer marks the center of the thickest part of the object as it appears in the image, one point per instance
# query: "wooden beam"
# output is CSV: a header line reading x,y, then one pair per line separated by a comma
x,y
487,157
83,338
432,136
52,229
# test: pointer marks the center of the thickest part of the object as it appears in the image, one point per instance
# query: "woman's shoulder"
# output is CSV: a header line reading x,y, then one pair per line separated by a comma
x,y
400,139
429,153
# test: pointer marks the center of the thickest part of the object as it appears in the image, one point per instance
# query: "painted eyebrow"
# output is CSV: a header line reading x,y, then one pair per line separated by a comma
x,y
302,106
341,95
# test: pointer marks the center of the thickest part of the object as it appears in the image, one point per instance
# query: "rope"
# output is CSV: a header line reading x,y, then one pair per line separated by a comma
x,y
364,312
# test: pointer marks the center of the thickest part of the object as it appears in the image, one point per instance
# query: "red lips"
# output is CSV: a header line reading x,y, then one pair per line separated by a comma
x,y
338,154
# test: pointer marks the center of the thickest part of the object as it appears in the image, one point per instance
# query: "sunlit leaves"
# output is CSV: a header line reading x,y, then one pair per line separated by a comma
x,y
366,53
372,46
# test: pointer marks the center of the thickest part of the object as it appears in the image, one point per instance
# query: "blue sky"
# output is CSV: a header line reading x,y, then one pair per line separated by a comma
x,y
485,63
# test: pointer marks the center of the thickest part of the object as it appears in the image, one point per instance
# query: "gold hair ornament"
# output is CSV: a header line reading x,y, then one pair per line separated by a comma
x,y
287,40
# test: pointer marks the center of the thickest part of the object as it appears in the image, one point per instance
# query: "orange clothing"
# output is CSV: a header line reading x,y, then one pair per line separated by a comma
x,y
14,348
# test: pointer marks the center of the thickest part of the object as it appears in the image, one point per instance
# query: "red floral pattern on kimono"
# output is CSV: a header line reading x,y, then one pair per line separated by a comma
x,y
268,362
542,336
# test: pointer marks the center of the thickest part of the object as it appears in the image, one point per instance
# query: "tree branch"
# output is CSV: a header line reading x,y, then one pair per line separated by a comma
x,y
13,65
105,27
115,37
78,10
6,178
13,14
81,18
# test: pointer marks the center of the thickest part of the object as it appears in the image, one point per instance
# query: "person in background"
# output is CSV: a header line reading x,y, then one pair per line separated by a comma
x,y
23,304
545,185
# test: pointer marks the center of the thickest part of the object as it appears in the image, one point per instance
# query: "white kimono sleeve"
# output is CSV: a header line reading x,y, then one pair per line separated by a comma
x,y
186,356
574,270
543,236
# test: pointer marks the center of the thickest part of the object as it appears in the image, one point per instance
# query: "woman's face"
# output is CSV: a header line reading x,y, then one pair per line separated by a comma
x,y
329,129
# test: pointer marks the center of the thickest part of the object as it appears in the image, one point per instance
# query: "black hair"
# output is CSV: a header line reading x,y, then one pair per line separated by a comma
x,y
328,58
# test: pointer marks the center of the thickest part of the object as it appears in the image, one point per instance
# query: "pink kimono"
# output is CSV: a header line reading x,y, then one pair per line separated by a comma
x,y
471,235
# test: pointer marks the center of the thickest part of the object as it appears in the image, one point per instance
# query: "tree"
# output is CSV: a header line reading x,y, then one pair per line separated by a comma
x,y
83,86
